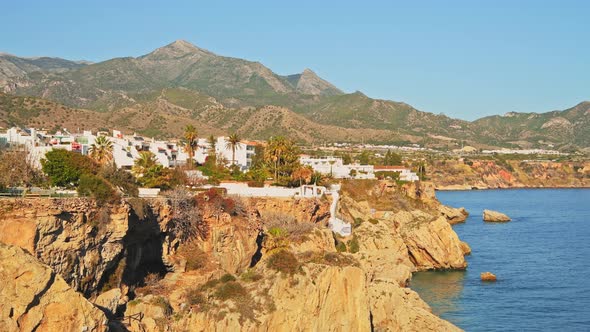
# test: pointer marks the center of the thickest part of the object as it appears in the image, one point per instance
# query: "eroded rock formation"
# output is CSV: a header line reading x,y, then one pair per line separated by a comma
x,y
35,298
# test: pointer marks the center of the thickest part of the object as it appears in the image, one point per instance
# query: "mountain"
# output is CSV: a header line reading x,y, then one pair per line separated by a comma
x,y
569,127
166,113
182,82
13,67
235,82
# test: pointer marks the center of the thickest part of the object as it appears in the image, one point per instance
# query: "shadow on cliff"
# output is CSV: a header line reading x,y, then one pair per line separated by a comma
x,y
142,254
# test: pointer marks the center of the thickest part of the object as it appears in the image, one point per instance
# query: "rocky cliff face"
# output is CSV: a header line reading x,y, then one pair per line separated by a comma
x,y
264,264
489,174
76,238
35,298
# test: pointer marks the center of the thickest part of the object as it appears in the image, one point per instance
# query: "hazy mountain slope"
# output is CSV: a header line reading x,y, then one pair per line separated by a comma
x,y
13,66
559,128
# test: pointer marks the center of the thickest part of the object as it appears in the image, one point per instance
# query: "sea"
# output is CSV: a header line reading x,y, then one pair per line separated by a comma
x,y
541,259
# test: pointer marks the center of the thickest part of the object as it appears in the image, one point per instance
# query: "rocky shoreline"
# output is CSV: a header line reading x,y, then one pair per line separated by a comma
x,y
262,264
469,188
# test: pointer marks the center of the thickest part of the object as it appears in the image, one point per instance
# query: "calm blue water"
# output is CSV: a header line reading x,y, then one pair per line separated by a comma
x,y
541,259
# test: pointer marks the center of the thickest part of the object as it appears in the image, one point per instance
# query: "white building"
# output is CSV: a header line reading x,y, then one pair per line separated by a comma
x,y
244,152
335,167
126,148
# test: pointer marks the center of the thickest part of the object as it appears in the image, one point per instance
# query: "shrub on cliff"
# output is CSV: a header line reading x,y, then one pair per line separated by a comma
x,y
227,278
282,225
194,256
353,245
230,290
96,187
283,261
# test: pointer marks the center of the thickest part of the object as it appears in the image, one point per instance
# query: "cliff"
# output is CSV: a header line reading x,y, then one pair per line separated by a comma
x,y
34,298
465,174
257,264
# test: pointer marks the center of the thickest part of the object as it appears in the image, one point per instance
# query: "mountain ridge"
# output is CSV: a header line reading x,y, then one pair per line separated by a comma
x,y
236,84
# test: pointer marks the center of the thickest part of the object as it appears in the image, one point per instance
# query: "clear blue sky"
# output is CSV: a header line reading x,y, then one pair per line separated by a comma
x,y
466,59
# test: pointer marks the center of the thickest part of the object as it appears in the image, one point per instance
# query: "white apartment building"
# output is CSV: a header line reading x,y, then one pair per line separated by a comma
x,y
244,152
126,148
335,167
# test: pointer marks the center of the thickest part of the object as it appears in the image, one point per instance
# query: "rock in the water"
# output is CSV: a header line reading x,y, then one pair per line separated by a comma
x,y
487,276
453,215
495,216
33,297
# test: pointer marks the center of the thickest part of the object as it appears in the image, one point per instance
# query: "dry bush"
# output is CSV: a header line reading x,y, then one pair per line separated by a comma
x,y
284,225
151,279
17,169
186,219
195,257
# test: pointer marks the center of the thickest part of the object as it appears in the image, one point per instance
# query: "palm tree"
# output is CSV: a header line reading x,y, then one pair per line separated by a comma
x,y
102,150
282,156
233,143
212,142
143,163
191,143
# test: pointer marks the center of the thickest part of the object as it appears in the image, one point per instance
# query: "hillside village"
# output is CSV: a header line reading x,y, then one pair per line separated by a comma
x,y
127,149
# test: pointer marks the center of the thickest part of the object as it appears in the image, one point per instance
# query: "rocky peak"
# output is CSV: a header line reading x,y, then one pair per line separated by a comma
x,y
308,82
176,49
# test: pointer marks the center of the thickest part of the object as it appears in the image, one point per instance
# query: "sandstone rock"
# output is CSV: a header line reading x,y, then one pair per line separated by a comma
x,y
494,216
401,309
33,297
74,237
154,309
109,301
433,245
453,215
487,276
465,248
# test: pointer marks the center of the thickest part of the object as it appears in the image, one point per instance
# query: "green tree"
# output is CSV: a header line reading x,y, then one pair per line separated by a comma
x,y
191,140
101,150
64,168
212,142
143,163
392,159
281,156
150,174
121,179
96,187
366,157
346,159
233,143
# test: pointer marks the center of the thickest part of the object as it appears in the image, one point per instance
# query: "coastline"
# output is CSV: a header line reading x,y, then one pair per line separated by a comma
x,y
468,188
545,223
